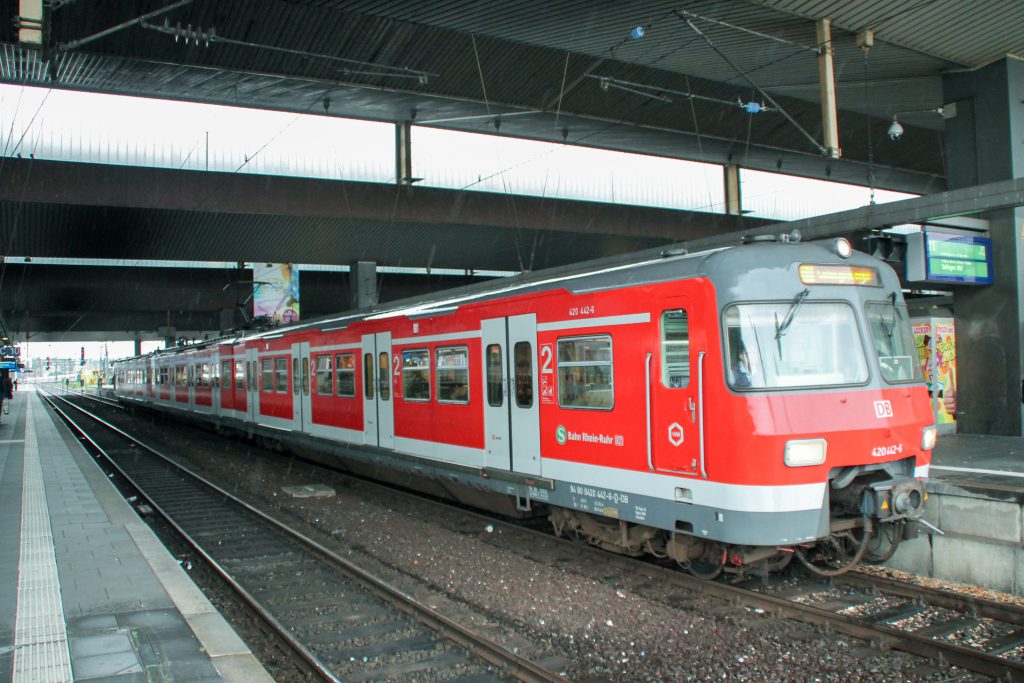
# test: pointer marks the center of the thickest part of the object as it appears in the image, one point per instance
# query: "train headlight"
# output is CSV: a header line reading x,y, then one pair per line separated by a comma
x,y
928,437
842,248
805,452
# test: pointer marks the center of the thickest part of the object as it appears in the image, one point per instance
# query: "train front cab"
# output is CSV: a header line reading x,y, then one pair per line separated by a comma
x,y
823,401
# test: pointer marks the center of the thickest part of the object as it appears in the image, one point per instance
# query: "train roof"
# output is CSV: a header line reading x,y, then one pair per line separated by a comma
x,y
724,265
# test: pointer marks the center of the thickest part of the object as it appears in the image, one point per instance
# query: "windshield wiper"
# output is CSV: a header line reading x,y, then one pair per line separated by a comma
x,y
890,328
790,314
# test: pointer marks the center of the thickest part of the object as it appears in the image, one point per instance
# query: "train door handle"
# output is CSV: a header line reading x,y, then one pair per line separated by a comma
x,y
693,410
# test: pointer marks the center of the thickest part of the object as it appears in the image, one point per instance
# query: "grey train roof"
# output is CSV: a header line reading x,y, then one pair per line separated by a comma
x,y
747,272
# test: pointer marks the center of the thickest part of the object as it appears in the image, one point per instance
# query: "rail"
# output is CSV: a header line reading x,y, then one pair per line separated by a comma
x,y
474,643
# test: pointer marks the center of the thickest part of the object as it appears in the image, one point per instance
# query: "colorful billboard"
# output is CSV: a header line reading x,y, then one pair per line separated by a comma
x,y
276,292
936,349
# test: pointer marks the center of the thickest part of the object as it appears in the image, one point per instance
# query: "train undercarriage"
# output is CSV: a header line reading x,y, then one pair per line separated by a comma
x,y
869,512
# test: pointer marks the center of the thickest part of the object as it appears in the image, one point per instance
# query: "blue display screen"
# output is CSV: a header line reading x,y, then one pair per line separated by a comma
x,y
963,259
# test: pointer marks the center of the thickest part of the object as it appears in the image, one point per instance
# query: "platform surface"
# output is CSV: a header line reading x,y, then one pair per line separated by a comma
x,y
87,591
979,463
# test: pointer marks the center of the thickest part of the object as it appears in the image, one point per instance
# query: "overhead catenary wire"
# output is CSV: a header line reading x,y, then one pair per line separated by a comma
x,y
754,85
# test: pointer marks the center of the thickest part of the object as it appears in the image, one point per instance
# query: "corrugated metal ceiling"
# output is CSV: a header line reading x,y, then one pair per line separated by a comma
x,y
486,55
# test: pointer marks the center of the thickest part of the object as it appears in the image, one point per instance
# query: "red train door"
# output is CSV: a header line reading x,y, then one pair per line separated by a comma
x,y
673,375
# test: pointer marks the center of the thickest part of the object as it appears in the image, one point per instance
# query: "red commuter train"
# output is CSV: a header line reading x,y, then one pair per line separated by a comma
x,y
728,409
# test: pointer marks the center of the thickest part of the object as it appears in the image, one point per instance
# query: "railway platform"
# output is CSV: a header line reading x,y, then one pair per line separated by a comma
x,y
87,591
976,498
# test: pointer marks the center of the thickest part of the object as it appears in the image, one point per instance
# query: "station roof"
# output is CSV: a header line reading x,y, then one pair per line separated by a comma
x,y
558,70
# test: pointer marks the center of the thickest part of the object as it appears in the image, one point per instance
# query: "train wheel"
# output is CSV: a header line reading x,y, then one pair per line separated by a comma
x,y
772,565
837,554
707,566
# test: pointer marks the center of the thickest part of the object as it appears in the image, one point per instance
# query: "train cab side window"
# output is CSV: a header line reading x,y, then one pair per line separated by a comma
x,y
345,371
416,375
495,376
675,349
384,376
522,354
585,373
453,375
368,375
324,376
267,383
281,375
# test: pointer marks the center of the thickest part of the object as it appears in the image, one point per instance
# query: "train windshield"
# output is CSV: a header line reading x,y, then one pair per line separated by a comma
x,y
894,342
793,344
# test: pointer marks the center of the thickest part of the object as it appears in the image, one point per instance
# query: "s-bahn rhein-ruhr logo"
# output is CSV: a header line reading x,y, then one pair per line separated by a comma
x,y
561,435
883,409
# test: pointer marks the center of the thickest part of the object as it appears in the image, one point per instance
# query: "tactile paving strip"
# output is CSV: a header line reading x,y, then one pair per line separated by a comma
x,y
40,635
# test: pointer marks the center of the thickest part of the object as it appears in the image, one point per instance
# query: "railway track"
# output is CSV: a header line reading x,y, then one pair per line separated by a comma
x,y
948,629
972,632
339,621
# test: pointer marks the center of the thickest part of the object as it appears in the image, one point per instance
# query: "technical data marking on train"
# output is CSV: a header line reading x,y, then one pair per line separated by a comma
x,y
602,495
539,494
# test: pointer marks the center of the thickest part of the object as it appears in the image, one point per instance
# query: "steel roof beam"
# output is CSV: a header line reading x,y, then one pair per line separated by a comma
x,y
967,201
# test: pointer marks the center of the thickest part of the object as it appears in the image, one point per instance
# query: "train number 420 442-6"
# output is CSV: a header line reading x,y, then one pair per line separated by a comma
x,y
582,310
882,451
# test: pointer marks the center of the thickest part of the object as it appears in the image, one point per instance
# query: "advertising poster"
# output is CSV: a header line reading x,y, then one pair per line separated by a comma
x,y
276,292
936,348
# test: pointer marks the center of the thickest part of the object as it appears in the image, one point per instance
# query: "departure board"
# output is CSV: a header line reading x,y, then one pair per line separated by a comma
x,y
954,258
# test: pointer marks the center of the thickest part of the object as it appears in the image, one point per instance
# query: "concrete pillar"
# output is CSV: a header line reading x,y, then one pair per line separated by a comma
x,y
138,346
363,284
403,153
733,198
983,144
30,22
827,84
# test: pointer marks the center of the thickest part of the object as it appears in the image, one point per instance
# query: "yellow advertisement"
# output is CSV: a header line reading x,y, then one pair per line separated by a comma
x,y
936,349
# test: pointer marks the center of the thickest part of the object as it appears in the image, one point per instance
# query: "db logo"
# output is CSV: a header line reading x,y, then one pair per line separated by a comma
x,y
675,434
883,409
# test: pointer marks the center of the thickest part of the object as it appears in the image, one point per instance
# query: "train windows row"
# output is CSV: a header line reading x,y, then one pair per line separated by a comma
x,y
584,368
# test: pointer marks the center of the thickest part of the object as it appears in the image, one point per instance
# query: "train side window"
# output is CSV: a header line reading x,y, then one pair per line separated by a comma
x,y
453,375
585,373
267,385
368,375
416,375
295,376
239,375
495,376
281,375
384,377
226,373
324,376
345,371
675,349
522,354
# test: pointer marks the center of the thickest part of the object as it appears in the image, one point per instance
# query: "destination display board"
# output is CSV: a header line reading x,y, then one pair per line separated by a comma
x,y
955,258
